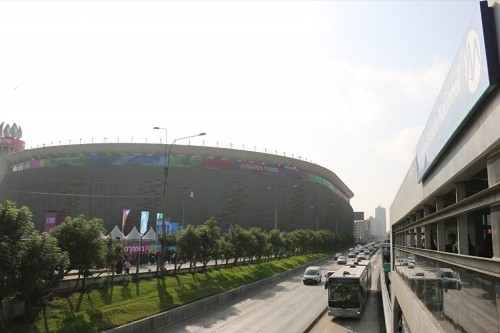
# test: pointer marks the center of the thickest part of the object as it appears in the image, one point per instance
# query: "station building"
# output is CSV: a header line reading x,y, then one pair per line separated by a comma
x,y
446,214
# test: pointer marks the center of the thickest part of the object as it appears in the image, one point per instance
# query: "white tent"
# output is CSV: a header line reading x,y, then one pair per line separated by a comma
x,y
133,235
150,235
116,233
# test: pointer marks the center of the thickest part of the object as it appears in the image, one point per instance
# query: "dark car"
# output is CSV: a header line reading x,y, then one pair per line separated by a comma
x,y
312,275
337,255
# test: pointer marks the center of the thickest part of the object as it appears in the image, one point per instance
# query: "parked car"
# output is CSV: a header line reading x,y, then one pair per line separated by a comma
x,y
312,275
342,260
449,278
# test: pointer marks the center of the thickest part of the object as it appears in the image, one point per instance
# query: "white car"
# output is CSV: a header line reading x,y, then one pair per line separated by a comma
x,y
312,275
341,260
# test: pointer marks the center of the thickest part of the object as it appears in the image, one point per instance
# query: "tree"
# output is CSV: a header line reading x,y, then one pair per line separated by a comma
x,y
16,225
277,242
81,239
188,244
166,241
258,243
41,268
208,233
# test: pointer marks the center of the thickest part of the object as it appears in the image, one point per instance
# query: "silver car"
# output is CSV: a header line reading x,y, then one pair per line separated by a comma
x,y
312,275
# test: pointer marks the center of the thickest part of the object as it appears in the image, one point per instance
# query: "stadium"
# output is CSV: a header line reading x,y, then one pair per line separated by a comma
x,y
101,180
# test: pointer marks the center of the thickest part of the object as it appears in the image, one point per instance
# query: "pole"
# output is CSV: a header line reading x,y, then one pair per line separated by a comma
x,y
276,217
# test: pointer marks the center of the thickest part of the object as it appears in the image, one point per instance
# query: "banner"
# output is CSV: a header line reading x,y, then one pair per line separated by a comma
x,y
53,219
159,223
124,217
144,222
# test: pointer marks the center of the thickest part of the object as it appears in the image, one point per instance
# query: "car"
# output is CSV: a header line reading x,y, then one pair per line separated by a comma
x,y
341,260
312,275
337,255
449,278
351,255
361,256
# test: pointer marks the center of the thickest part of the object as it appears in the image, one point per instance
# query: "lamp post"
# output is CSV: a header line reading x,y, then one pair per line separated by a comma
x,y
167,164
184,187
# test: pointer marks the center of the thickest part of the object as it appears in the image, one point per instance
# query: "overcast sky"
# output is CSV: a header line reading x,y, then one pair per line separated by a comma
x,y
348,85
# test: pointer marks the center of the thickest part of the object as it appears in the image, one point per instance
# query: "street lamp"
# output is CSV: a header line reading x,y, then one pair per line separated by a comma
x,y
184,187
276,202
167,163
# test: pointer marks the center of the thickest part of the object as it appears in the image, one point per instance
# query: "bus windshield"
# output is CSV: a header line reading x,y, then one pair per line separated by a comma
x,y
344,293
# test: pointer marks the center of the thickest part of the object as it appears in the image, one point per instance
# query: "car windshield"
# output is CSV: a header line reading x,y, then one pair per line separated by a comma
x,y
311,271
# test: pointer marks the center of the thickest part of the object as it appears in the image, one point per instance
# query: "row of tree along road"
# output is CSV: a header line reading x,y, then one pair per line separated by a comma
x,y
33,263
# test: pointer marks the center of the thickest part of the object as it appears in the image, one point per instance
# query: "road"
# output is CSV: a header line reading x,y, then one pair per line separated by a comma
x,y
288,306
370,321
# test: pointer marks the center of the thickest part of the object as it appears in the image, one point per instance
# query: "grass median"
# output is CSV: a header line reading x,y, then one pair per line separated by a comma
x,y
105,307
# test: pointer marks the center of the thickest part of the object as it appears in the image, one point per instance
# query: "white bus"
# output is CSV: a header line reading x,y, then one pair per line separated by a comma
x,y
348,290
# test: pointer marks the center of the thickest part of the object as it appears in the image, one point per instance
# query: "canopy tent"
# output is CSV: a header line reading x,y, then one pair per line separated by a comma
x,y
133,235
116,233
150,235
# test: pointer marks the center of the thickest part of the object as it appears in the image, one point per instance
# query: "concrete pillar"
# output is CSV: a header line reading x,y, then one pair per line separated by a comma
x,y
428,237
462,232
419,237
441,236
462,239
493,168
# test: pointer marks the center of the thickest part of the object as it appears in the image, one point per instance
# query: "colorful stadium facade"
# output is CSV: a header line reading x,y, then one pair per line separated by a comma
x,y
233,186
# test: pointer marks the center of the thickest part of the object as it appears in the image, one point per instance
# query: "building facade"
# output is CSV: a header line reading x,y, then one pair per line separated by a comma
x,y
233,186
445,218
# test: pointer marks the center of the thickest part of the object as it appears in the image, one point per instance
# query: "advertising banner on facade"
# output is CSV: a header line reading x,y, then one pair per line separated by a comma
x,y
53,219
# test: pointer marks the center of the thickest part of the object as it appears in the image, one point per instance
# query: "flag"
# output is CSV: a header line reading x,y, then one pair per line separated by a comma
x,y
124,217
144,221
159,223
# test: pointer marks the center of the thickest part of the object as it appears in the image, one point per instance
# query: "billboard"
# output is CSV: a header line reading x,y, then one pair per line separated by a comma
x,y
472,75
53,219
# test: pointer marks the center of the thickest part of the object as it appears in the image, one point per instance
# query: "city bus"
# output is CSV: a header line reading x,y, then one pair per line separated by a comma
x,y
426,285
348,290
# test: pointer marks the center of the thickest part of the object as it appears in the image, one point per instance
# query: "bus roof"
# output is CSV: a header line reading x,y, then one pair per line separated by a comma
x,y
417,273
350,272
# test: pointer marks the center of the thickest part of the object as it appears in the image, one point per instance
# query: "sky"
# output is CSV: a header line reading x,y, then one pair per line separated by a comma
x,y
347,85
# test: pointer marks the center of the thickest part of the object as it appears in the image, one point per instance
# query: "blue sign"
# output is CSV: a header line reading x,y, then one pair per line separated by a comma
x,y
472,76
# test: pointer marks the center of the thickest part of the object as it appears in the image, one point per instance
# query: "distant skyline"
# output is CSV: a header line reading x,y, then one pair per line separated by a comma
x,y
348,85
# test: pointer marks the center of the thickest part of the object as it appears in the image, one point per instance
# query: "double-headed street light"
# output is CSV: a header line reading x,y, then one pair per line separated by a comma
x,y
167,163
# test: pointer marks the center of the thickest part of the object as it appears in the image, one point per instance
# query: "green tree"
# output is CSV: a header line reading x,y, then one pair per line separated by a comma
x,y
166,241
16,226
277,241
188,244
209,234
81,239
259,242
41,268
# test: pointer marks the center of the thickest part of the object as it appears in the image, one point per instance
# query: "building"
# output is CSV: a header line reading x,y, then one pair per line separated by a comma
x,y
233,186
379,231
451,191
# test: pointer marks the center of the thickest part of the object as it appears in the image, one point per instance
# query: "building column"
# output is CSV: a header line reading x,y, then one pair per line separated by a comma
x,y
441,236
419,237
493,168
428,237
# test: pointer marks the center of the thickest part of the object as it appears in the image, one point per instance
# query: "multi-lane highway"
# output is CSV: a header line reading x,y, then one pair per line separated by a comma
x,y
372,318
288,306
